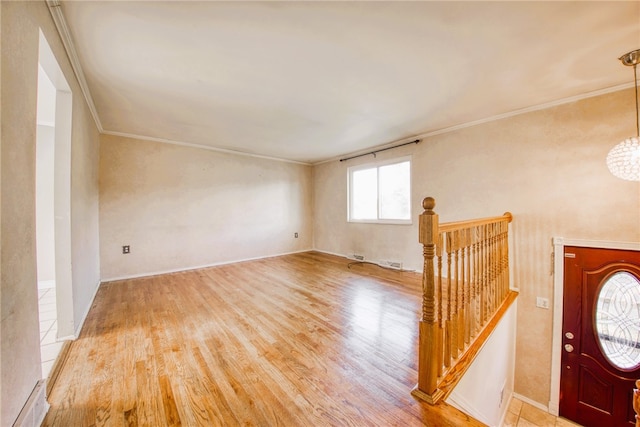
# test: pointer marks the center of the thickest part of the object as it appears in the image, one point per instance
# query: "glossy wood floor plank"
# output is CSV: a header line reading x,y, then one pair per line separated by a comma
x,y
298,340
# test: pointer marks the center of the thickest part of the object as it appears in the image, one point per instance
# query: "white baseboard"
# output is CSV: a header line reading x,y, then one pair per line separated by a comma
x,y
463,405
35,409
369,261
332,253
197,267
531,402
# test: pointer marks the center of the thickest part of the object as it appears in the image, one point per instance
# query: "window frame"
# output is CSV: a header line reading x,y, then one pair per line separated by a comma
x,y
377,165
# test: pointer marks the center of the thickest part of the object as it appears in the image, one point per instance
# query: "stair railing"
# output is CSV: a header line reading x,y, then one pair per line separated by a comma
x,y
465,288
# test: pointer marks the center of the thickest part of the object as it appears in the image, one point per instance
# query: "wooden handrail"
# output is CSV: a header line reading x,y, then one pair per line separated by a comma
x,y
465,287
450,226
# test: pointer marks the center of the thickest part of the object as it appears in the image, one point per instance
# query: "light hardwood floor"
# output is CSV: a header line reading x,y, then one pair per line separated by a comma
x,y
298,340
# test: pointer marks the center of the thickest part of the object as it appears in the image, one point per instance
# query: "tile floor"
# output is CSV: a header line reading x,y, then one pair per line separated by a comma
x,y
49,347
521,414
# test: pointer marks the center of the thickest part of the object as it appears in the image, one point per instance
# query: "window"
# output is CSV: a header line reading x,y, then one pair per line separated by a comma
x,y
617,320
381,192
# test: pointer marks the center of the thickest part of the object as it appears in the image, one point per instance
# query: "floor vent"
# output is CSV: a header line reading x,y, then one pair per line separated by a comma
x,y
397,265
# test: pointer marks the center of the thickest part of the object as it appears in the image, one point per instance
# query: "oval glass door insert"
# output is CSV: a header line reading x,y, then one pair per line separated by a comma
x,y
618,320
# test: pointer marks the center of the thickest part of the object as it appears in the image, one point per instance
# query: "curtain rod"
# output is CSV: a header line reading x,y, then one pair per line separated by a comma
x,y
378,151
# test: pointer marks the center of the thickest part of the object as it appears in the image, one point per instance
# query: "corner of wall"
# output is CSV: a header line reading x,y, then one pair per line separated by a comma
x,y
78,327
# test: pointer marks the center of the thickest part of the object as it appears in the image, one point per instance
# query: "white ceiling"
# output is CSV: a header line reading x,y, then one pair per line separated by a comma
x,y
308,81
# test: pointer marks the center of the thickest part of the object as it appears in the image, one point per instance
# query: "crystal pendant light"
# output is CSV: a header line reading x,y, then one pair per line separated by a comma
x,y
624,159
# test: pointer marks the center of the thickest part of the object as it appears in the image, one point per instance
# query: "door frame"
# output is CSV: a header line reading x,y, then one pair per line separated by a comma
x,y
558,294
62,190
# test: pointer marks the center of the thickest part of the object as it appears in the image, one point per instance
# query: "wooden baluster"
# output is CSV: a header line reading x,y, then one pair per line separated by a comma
x,y
505,257
496,261
478,284
495,294
445,303
482,282
430,342
492,270
472,305
459,277
487,273
440,350
479,278
476,280
500,239
452,300
466,278
483,291
500,245
504,260
490,296
506,251
474,296
503,292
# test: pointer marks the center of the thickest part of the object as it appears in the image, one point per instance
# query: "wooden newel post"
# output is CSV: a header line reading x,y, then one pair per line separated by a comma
x,y
429,341
636,402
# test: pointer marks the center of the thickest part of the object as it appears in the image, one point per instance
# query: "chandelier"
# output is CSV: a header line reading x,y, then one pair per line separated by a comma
x,y
624,159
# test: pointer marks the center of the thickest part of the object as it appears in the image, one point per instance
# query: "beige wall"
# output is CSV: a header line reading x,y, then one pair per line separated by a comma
x,y
181,207
20,356
85,248
546,167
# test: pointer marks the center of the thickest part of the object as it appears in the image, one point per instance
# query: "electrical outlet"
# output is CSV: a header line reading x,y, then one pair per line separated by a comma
x,y
358,257
125,249
542,302
295,235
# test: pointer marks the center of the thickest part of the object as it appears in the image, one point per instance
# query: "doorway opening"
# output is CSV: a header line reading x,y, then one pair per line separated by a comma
x,y
53,204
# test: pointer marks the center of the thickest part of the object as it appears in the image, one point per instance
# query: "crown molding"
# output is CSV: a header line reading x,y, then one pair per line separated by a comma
x,y
485,120
65,35
201,147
